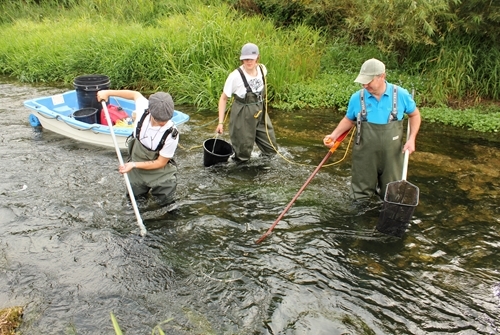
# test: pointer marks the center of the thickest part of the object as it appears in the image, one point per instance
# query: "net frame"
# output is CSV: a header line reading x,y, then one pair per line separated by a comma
x,y
401,198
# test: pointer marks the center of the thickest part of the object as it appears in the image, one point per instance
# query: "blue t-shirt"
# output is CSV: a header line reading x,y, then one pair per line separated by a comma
x,y
380,111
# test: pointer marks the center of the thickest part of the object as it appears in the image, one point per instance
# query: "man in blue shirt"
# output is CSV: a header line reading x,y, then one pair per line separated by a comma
x,y
377,111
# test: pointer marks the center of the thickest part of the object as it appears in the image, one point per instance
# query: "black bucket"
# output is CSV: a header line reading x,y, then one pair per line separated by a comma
x,y
218,154
87,115
86,90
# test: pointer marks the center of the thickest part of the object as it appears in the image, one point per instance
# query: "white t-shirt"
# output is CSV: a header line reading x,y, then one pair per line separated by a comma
x,y
234,83
151,135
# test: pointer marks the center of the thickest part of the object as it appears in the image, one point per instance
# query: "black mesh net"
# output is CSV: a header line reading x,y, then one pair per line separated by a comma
x,y
400,200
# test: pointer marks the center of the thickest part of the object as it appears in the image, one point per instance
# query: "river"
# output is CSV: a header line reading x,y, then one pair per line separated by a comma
x,y
71,252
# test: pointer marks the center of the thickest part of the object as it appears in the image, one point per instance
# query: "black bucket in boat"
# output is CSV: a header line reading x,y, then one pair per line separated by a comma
x,y
216,151
87,115
86,90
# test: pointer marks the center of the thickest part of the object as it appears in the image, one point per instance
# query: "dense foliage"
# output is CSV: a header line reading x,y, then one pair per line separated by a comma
x,y
447,50
188,54
454,43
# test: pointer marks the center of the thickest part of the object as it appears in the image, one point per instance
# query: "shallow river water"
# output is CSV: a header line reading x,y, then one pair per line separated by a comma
x,y
71,253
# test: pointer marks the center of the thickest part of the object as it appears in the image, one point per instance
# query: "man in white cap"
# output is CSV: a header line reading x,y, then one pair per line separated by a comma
x,y
249,121
377,111
151,167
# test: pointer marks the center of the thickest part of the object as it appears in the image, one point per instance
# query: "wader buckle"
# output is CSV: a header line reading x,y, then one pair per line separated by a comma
x,y
358,128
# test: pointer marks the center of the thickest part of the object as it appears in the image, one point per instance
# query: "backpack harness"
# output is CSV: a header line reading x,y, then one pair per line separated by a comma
x,y
174,132
362,115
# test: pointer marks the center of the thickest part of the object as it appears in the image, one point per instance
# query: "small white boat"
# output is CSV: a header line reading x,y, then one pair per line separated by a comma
x,y
55,113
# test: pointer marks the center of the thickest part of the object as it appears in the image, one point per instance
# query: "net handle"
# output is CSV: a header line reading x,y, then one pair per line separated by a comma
x,y
407,153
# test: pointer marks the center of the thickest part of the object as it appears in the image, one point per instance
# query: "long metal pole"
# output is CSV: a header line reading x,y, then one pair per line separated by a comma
x,y
330,152
127,181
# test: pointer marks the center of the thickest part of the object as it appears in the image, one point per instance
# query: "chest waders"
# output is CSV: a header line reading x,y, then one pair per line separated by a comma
x,y
377,157
248,123
161,182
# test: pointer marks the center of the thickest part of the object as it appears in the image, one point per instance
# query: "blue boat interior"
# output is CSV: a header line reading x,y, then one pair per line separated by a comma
x,y
62,106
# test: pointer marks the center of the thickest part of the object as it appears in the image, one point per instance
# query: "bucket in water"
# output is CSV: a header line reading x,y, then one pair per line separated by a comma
x,y
216,151
86,90
87,115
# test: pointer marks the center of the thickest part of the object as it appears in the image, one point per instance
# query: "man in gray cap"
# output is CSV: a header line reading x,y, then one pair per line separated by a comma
x,y
151,167
377,111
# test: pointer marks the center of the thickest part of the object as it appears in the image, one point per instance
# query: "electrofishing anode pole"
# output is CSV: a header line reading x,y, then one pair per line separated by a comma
x,y
330,152
127,181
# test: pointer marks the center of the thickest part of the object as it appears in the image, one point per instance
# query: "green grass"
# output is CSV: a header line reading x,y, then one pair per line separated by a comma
x,y
189,48
188,54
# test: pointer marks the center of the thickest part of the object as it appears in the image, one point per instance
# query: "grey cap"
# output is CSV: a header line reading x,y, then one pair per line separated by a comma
x,y
249,51
369,70
161,106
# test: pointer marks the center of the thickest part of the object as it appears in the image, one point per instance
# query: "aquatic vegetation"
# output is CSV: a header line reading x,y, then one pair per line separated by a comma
x,y
156,330
478,119
10,319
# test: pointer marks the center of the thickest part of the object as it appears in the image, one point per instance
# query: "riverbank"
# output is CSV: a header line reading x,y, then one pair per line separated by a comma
x,y
190,53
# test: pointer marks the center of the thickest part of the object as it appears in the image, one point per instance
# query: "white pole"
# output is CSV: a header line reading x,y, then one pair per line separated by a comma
x,y
127,181
407,154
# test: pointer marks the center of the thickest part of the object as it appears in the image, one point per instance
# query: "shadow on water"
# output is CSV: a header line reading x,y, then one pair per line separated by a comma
x,y
70,251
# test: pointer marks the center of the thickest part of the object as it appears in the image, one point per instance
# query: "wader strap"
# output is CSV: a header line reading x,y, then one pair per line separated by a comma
x,y
394,113
362,115
139,124
358,128
245,82
174,132
363,104
164,137
263,77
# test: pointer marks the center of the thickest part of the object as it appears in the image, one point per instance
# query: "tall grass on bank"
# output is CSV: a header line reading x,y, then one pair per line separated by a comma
x,y
451,72
189,55
189,47
144,11
204,51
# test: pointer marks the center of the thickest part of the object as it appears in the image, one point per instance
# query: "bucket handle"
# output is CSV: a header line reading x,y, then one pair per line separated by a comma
x,y
91,88
215,141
